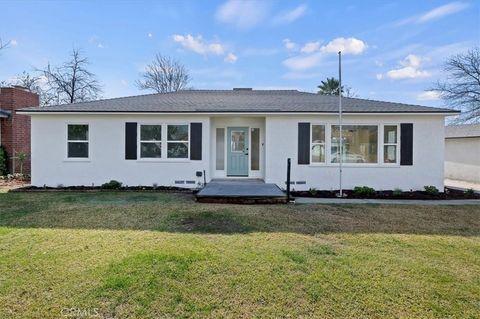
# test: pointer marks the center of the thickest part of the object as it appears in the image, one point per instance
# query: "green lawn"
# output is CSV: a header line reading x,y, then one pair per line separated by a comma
x,y
153,255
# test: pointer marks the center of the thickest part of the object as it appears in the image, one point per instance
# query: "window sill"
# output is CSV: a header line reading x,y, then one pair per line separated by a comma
x,y
356,165
73,160
146,160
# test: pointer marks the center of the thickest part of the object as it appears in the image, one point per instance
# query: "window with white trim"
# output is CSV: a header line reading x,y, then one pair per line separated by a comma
x,y
318,144
390,143
177,141
359,144
77,141
150,141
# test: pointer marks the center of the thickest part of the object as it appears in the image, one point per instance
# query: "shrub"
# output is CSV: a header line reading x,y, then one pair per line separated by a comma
x,y
113,184
431,190
363,191
470,193
3,161
397,192
313,191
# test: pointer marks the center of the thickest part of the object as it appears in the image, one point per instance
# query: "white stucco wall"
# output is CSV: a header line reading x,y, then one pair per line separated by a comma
x,y
51,167
462,159
428,155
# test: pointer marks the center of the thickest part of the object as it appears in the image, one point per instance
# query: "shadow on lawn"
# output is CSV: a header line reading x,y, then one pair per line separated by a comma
x,y
179,213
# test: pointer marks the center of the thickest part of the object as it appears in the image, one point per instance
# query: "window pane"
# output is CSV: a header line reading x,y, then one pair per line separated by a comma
x,y
220,149
390,154
78,149
177,133
78,132
360,143
390,135
151,132
151,150
255,151
318,153
177,150
318,134
238,141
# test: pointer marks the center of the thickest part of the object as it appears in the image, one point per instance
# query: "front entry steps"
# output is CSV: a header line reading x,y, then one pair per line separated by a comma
x,y
241,191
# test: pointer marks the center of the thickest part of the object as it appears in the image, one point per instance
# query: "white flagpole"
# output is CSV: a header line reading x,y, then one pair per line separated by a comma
x,y
340,120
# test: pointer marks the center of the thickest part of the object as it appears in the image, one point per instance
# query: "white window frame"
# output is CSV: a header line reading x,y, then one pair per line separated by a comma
x,y
324,144
175,141
77,159
397,145
379,162
140,141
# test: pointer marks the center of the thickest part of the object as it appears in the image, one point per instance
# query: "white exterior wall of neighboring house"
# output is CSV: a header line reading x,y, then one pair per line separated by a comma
x,y
428,150
462,159
51,167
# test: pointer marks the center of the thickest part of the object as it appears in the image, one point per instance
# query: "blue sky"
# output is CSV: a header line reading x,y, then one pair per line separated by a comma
x,y
392,50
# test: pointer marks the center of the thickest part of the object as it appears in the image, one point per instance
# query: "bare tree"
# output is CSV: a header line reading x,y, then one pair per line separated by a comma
x,y
35,84
461,89
72,82
4,45
164,74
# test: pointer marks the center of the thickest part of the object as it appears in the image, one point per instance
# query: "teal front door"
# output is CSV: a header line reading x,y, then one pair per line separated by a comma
x,y
237,151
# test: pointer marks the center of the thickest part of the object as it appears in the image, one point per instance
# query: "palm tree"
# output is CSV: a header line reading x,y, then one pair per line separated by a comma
x,y
329,87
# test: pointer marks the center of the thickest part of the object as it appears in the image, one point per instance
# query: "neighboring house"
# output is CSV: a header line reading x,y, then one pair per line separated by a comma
x,y
171,139
462,152
14,127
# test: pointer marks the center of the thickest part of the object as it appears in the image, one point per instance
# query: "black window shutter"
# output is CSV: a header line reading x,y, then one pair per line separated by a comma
x,y
196,141
406,144
303,143
130,141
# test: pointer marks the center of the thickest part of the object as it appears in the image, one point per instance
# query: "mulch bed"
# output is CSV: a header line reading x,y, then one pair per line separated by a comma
x,y
448,194
99,189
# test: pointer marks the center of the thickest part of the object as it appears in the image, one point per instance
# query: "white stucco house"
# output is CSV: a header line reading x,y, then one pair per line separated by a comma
x,y
462,153
172,139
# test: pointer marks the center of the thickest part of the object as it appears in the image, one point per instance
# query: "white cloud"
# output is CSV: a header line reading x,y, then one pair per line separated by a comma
x,y
289,45
290,16
242,14
436,13
198,45
410,70
303,62
149,35
100,46
428,96
379,76
310,47
13,43
346,45
312,53
231,58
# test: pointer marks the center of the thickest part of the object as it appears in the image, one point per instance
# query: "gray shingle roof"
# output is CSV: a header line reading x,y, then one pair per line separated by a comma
x,y
465,130
261,101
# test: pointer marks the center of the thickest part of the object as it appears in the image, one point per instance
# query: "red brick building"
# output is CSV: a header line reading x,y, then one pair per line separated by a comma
x,y
15,128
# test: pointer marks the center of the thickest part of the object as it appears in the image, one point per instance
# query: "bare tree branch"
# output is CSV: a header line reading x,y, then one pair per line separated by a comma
x,y
72,82
164,75
4,45
461,89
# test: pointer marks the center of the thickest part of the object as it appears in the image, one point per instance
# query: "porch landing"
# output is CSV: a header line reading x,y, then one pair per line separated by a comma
x,y
241,191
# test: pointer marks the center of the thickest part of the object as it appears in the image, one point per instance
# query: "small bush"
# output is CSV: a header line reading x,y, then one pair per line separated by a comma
x,y
3,161
363,191
313,191
113,184
397,192
469,193
431,190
